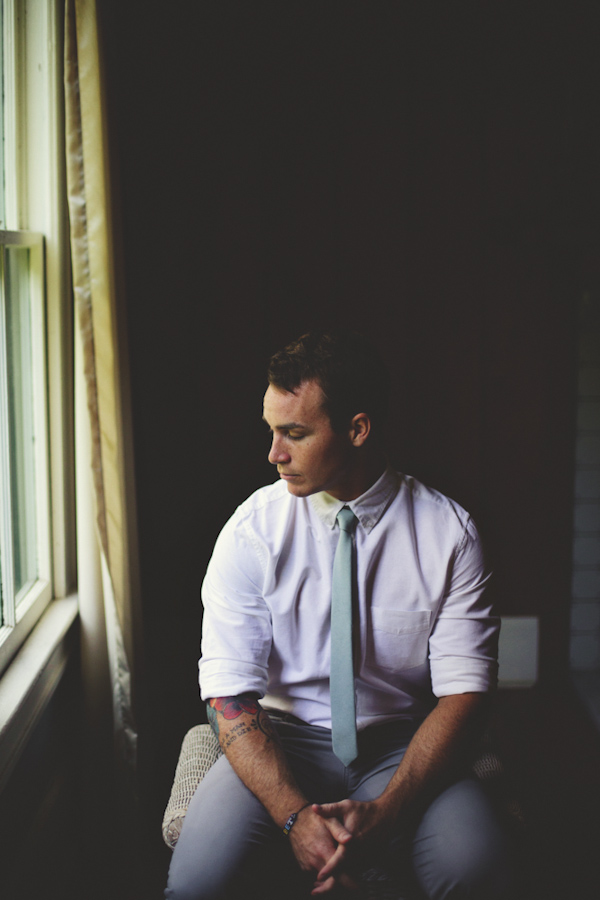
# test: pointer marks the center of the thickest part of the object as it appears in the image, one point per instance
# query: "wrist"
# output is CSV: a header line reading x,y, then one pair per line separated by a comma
x,y
291,820
387,813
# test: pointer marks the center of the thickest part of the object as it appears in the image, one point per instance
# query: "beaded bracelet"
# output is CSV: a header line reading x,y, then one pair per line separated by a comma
x,y
290,822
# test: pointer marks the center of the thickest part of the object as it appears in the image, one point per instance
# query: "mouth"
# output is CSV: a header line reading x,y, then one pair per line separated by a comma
x,y
287,476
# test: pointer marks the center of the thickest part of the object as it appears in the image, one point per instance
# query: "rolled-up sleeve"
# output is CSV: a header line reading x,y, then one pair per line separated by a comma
x,y
463,646
237,627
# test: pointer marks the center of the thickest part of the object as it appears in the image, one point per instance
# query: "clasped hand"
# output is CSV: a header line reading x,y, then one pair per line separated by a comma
x,y
330,837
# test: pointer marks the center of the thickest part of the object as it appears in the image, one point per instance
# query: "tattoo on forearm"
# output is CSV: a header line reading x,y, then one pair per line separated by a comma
x,y
233,707
212,718
230,708
236,732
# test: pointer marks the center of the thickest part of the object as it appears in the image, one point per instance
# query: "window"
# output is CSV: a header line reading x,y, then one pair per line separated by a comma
x,y
34,322
25,582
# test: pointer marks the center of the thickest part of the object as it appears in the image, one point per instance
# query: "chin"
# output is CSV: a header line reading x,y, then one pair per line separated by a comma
x,y
298,490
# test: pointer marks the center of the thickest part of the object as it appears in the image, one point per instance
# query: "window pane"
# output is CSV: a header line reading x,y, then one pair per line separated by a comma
x,y
2,222
20,419
1,209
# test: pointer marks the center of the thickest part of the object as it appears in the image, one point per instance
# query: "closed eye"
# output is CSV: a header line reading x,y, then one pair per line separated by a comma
x,y
284,432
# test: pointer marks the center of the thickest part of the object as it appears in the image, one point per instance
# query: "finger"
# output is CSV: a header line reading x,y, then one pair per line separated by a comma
x,y
333,864
338,831
327,810
326,887
323,887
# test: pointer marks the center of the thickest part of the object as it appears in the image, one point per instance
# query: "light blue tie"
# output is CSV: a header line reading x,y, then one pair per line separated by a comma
x,y
341,676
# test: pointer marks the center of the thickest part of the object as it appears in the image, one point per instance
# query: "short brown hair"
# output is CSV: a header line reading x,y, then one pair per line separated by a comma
x,y
348,368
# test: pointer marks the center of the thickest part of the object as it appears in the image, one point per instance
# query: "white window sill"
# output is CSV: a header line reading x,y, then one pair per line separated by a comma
x,y
30,680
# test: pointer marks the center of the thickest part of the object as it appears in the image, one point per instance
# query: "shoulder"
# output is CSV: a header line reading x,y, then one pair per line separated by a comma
x,y
240,545
263,514
258,529
271,500
430,506
432,500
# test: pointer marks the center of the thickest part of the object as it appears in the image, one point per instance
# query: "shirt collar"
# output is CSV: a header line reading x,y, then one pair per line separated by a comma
x,y
368,508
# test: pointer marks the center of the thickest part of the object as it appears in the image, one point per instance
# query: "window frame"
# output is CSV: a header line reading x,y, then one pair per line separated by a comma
x,y
36,205
19,615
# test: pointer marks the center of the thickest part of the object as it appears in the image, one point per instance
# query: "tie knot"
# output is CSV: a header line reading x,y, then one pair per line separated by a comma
x,y
346,520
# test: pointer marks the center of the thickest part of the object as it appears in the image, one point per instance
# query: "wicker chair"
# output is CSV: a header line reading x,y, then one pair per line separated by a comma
x,y
200,750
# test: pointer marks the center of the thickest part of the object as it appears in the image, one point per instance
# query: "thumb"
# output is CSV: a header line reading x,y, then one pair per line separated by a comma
x,y
335,827
328,810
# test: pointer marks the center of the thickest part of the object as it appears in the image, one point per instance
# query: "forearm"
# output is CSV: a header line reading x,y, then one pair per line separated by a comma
x,y
440,744
431,757
248,739
251,744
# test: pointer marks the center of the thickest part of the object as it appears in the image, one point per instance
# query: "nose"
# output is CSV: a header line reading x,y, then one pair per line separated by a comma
x,y
277,453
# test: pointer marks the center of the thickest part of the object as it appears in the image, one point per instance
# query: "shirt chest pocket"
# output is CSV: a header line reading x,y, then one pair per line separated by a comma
x,y
399,639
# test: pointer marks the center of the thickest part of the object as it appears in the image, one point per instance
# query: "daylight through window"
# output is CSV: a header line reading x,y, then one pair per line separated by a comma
x,y
25,557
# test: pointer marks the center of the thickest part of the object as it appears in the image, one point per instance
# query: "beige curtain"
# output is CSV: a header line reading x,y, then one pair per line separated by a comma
x,y
107,571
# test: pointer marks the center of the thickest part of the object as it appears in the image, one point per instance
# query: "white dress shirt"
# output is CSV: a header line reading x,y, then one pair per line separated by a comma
x,y
425,625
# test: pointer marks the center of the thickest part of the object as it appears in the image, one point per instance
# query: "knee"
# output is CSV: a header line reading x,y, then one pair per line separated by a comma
x,y
183,891
487,877
192,891
476,872
461,849
194,883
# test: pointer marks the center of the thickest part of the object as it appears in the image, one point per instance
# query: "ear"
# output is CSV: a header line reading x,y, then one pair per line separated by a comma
x,y
360,429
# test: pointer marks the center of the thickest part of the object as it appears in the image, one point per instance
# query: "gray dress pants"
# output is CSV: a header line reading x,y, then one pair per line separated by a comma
x,y
229,847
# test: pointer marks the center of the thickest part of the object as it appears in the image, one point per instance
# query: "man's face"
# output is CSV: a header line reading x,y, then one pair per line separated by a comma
x,y
308,454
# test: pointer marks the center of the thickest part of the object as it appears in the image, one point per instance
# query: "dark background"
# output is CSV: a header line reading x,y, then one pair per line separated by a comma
x,y
425,172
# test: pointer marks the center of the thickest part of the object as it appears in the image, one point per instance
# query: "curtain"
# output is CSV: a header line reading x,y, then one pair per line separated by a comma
x,y
107,550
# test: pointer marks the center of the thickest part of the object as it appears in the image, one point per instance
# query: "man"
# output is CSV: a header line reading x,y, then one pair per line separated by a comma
x,y
420,650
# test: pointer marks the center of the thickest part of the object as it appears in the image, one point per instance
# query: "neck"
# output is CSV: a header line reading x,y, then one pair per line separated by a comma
x,y
369,467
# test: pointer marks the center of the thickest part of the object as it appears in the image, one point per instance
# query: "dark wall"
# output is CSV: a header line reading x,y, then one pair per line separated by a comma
x,y
425,172
42,830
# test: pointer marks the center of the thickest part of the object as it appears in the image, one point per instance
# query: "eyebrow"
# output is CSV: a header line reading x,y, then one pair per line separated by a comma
x,y
287,426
